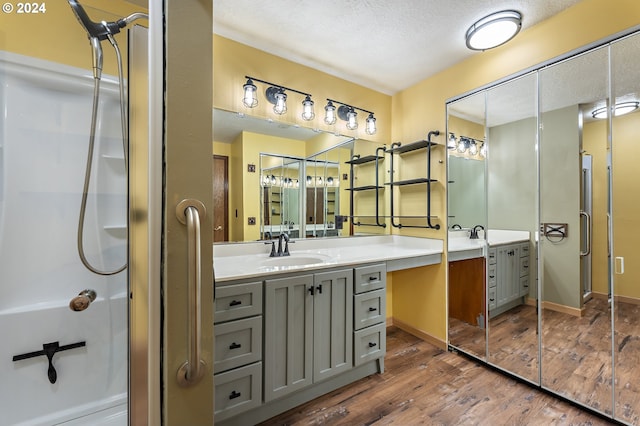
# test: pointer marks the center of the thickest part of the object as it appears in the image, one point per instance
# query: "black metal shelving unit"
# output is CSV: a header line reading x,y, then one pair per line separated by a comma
x,y
357,160
398,149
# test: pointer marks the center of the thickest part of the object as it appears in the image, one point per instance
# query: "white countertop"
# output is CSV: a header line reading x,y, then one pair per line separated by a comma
x,y
461,247
250,260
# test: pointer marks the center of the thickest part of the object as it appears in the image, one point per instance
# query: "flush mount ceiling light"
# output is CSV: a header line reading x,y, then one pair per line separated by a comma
x,y
494,30
620,109
348,113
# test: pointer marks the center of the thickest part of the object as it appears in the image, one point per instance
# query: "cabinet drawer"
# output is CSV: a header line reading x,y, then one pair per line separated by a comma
x,y
524,286
492,273
369,343
367,278
369,309
238,301
492,256
237,391
524,266
492,296
524,250
237,343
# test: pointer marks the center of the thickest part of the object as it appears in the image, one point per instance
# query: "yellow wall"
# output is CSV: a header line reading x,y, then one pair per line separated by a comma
x,y
420,108
57,36
232,61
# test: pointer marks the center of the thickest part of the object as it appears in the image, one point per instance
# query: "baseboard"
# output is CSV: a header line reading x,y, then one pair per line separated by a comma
x,y
529,301
418,333
576,312
621,299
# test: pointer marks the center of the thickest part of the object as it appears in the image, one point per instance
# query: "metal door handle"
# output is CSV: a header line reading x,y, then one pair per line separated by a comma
x,y
190,212
587,239
218,228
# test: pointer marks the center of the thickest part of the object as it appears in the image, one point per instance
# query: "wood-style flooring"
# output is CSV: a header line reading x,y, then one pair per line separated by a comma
x,y
426,385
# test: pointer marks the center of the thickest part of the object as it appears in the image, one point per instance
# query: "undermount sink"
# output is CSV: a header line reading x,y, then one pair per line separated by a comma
x,y
295,260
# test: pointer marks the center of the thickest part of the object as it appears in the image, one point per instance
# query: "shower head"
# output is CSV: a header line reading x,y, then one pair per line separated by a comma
x,y
99,30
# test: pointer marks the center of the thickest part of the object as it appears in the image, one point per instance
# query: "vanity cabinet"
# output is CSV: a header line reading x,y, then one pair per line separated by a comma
x,y
238,349
308,330
508,275
466,290
369,308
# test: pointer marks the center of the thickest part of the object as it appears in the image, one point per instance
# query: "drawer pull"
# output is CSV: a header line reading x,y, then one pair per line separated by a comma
x,y
373,278
372,344
235,345
492,300
492,276
372,309
235,303
234,395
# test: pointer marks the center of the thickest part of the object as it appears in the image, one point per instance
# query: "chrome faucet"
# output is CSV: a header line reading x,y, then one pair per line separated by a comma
x,y
474,232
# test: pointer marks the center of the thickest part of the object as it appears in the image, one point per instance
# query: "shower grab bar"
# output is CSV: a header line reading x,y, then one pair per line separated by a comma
x,y
587,239
189,212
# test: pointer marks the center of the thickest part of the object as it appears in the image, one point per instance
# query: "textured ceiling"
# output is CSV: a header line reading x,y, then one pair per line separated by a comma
x,y
381,44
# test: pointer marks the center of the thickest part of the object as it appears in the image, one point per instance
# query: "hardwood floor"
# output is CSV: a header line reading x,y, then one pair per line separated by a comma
x,y
426,385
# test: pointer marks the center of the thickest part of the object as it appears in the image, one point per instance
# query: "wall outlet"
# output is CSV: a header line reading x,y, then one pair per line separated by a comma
x,y
252,221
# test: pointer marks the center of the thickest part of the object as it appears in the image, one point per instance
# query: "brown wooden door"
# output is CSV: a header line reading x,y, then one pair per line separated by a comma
x,y
315,206
220,198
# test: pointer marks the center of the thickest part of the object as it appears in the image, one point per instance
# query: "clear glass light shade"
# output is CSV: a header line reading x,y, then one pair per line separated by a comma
x,y
451,143
352,120
281,103
330,114
483,150
462,147
494,30
307,109
473,148
250,99
371,125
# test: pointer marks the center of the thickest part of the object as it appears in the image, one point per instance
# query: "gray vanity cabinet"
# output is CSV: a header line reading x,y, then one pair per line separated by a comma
x,y
308,330
508,277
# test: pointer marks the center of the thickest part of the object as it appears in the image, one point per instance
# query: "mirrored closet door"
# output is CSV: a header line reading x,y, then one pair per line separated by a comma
x,y
553,200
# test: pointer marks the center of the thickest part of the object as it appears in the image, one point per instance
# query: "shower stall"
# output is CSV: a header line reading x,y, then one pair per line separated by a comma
x,y
84,144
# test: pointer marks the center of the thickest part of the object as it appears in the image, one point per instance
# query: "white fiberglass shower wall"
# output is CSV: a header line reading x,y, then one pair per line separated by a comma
x,y
44,131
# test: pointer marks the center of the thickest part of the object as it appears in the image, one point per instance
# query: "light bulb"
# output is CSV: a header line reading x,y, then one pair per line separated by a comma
x,y
352,122
281,103
307,109
250,100
371,125
330,113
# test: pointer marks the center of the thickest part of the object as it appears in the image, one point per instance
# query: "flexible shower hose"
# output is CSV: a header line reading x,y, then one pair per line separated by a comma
x,y
92,139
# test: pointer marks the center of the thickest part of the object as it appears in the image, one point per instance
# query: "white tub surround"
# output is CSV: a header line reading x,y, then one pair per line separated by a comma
x,y
248,260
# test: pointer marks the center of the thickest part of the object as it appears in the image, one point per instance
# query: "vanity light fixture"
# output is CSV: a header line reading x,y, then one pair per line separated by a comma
x,y
451,143
621,108
473,147
348,113
330,113
250,99
494,30
276,95
483,150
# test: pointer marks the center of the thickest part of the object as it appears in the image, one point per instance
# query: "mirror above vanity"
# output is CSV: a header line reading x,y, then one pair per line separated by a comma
x,y
284,178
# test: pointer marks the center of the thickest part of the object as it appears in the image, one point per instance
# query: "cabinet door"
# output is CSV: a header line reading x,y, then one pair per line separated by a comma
x,y
332,323
288,341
